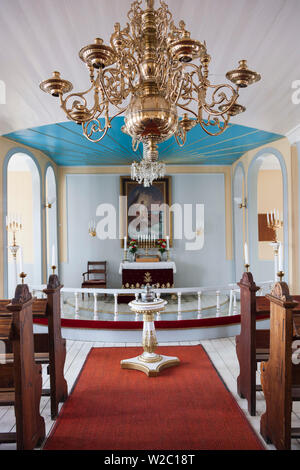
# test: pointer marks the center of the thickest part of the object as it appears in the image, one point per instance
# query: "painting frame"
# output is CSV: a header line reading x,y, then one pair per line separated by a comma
x,y
128,187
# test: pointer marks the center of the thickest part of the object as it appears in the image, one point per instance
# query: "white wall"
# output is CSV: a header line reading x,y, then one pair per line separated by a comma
x,y
194,268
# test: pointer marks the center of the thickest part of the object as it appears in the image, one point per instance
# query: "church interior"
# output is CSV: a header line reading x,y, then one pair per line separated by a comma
x,y
149,228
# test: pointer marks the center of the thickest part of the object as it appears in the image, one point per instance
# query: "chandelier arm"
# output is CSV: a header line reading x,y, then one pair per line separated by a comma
x,y
214,134
75,106
180,137
96,127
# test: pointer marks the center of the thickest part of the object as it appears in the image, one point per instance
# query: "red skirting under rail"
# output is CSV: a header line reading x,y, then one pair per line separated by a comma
x,y
138,325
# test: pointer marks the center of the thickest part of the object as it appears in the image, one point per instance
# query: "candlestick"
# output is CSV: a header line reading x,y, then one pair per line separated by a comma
x,y
280,258
280,274
53,255
22,276
246,254
21,260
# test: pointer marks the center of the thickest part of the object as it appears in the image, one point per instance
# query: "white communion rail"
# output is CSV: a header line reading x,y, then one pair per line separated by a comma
x,y
232,289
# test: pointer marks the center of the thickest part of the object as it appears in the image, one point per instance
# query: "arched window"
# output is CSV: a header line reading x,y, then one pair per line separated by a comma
x,y
51,219
267,190
23,196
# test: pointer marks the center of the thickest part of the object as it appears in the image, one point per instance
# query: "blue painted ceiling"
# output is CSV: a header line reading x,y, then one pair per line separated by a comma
x,y
65,144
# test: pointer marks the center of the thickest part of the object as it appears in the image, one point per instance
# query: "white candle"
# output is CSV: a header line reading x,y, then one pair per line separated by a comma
x,y
53,256
168,246
280,258
268,218
20,260
246,253
125,243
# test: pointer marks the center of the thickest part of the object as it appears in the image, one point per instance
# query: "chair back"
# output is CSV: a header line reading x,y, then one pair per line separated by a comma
x,y
97,269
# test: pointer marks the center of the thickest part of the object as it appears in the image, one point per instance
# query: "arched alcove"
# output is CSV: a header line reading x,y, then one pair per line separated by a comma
x,y
267,190
238,192
22,197
51,218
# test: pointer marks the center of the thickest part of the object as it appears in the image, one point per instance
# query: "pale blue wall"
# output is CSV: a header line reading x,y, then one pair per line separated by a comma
x,y
85,192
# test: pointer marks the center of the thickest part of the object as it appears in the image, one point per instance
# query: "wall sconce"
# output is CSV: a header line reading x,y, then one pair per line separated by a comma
x,y
242,204
49,203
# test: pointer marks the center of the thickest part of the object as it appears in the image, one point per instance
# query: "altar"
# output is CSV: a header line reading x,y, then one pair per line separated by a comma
x,y
135,275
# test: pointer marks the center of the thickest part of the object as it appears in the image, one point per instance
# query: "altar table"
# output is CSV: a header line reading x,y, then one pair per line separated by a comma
x,y
135,275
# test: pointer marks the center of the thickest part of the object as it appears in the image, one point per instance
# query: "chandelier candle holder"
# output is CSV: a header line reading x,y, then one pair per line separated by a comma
x,y
156,75
92,228
149,362
274,222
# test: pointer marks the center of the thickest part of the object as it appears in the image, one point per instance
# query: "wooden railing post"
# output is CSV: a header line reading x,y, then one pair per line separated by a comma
x,y
57,345
245,342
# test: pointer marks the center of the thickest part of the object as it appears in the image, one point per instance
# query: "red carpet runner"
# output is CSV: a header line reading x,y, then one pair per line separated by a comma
x,y
186,407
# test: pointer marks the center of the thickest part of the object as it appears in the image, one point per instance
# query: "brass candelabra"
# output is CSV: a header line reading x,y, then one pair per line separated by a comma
x,y
274,222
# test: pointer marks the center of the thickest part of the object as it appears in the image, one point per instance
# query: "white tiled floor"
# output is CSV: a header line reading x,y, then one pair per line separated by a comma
x,y
221,352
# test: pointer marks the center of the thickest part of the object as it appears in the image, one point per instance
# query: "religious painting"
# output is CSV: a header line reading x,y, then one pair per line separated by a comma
x,y
265,233
147,209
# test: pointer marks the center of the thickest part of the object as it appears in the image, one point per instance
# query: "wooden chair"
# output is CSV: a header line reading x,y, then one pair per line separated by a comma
x,y
280,376
252,344
21,378
50,347
94,268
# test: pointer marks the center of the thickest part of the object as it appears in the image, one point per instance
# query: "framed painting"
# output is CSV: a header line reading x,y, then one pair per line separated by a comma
x,y
147,209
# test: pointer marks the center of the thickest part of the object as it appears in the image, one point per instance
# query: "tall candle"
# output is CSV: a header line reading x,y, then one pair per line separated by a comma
x,y
168,246
246,253
53,256
20,260
125,243
268,218
280,258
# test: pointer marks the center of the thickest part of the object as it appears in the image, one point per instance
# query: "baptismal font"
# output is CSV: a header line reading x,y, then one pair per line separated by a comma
x,y
149,362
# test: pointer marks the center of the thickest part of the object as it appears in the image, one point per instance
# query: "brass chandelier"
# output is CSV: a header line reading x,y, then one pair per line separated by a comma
x,y
152,71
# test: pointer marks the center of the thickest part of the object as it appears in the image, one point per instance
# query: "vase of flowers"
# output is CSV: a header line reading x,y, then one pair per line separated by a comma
x,y
133,246
162,246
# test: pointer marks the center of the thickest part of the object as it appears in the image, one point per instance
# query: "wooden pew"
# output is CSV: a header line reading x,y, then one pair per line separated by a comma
x,y
252,345
21,379
279,376
50,347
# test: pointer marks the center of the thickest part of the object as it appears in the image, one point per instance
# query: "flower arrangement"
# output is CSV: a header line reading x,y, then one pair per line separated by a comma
x,y
162,245
133,246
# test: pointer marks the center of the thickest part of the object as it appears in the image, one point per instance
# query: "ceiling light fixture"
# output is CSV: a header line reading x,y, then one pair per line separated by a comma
x,y
149,73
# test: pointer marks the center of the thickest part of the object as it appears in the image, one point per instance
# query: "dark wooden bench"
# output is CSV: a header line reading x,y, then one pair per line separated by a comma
x,y
50,347
21,377
280,377
252,344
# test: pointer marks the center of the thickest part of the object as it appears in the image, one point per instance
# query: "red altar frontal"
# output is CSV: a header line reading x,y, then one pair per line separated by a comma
x,y
135,275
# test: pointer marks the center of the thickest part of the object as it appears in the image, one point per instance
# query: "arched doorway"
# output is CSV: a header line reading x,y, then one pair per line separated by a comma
x,y
51,219
267,191
22,199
